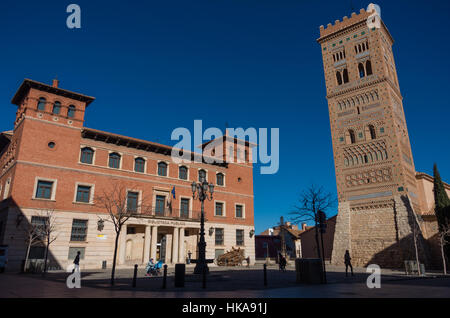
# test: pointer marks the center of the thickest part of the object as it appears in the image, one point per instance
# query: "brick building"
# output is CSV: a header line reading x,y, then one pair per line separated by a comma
x,y
382,200
50,161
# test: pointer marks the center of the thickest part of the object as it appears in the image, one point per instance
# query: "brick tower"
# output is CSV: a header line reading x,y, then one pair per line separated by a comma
x,y
375,172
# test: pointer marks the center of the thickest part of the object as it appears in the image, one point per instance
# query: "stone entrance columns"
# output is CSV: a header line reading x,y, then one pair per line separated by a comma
x,y
181,254
122,244
175,247
153,242
147,239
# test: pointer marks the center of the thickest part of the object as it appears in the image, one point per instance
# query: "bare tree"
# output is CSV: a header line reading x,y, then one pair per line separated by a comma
x,y
33,236
444,239
48,232
310,202
114,201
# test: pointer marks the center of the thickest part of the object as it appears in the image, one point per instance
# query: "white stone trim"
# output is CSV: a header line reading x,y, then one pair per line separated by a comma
x,y
145,164
120,161
243,210
168,168
190,204
93,157
224,179
91,193
188,171
224,211
54,186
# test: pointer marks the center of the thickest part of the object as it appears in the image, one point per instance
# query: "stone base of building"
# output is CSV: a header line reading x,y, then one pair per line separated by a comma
x,y
170,240
379,232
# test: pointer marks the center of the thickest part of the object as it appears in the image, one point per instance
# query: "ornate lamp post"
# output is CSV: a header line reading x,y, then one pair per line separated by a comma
x,y
200,191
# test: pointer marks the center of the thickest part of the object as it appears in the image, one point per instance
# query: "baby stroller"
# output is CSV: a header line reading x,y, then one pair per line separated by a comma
x,y
154,269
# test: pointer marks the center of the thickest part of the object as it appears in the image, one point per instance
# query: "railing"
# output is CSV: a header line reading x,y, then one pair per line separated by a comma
x,y
169,213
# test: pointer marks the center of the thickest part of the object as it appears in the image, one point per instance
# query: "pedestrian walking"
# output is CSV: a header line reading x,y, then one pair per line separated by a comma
x,y
347,261
76,262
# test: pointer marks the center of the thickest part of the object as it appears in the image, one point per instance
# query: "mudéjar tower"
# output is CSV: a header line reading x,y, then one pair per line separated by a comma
x,y
375,172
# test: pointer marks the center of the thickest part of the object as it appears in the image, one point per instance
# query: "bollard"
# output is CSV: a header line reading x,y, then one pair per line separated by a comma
x,y
135,274
204,278
165,277
180,273
265,274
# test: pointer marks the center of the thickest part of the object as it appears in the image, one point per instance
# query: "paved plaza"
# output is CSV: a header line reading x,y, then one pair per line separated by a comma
x,y
224,282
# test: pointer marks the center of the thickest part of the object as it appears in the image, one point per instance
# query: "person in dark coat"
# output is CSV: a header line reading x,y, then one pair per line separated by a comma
x,y
282,262
76,262
347,262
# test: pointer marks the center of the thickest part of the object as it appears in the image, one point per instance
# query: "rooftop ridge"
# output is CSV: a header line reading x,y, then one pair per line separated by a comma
x,y
344,23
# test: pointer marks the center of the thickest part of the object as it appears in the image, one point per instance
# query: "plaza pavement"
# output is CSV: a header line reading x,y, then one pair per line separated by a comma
x,y
224,282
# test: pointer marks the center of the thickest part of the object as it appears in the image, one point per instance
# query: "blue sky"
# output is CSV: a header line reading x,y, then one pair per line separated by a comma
x,y
157,65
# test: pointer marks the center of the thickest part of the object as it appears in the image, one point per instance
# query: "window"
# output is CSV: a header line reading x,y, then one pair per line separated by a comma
x,y
73,251
240,237
219,236
162,169
41,103
132,201
56,108
87,155
71,111
114,160
345,76
83,194
183,173
139,164
37,252
219,209
160,204
220,179
239,211
79,230
361,70
184,210
339,78
369,67
351,136
40,224
201,175
372,132
44,189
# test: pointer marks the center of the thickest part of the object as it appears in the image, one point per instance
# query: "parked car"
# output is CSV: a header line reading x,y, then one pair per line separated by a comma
x,y
3,257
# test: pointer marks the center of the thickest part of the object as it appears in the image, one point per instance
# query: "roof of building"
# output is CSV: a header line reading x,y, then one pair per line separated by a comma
x,y
423,175
293,231
28,83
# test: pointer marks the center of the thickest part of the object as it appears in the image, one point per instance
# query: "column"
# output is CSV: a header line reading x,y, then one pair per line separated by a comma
x,y
181,253
147,244
153,244
122,244
175,245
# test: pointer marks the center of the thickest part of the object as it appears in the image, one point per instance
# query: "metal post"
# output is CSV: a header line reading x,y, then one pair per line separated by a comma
x,y
165,277
265,274
201,266
323,259
134,275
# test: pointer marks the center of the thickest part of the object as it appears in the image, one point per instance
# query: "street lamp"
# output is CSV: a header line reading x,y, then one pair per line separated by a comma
x,y
200,191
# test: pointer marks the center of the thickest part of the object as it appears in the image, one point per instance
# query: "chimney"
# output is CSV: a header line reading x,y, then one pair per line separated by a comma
x,y
55,83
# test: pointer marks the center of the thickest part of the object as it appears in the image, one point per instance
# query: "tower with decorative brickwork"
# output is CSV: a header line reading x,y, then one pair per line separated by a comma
x,y
374,166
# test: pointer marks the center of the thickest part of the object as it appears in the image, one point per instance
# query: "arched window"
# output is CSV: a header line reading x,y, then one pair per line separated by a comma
x,y
201,175
183,172
361,70
56,108
345,75
368,67
220,179
87,155
357,109
372,132
41,103
339,78
365,159
346,161
114,160
139,164
162,169
352,136
334,57
71,111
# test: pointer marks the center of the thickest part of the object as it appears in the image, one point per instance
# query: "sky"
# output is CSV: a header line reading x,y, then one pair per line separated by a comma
x,y
154,66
